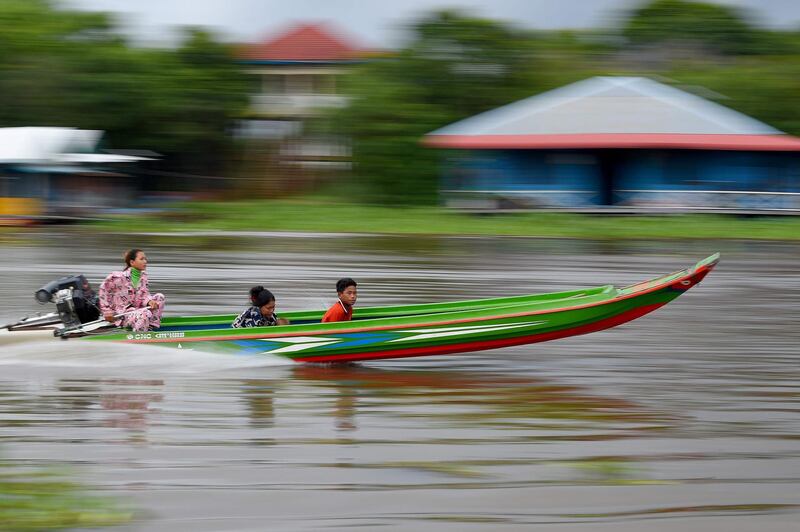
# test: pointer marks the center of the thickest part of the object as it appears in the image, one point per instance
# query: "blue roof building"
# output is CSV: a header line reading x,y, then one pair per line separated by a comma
x,y
628,142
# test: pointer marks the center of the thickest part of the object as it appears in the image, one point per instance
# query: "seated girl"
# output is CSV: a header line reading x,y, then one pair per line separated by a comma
x,y
261,314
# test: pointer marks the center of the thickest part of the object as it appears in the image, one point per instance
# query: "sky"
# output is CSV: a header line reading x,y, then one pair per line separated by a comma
x,y
378,23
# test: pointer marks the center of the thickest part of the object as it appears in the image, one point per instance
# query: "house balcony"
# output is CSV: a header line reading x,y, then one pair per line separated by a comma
x,y
295,105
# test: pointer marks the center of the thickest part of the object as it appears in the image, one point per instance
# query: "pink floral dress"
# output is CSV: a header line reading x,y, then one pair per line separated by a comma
x,y
118,295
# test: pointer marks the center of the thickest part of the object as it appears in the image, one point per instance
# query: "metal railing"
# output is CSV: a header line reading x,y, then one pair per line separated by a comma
x,y
295,104
711,200
628,200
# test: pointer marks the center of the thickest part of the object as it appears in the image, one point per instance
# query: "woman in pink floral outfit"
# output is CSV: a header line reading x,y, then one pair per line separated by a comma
x,y
127,291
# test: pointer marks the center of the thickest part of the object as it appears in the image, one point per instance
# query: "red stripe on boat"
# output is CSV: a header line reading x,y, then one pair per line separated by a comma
x,y
489,344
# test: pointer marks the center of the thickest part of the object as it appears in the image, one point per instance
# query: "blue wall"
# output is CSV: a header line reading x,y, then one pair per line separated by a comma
x,y
574,178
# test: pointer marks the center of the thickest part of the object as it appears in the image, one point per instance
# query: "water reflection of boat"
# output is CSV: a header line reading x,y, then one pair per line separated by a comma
x,y
126,403
499,398
426,329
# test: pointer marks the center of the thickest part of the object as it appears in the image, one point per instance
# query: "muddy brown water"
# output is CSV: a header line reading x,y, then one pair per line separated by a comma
x,y
686,419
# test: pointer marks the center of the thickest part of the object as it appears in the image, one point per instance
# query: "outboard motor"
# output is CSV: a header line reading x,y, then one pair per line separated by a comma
x,y
75,300
66,308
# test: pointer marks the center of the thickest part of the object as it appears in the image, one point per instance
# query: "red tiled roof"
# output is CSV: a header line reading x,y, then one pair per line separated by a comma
x,y
306,42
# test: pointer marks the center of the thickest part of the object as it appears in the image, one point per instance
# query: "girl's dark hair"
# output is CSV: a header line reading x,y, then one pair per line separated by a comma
x,y
263,298
130,256
342,284
255,291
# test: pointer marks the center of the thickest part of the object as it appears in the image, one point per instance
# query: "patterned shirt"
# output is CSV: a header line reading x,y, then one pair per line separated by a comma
x,y
252,317
117,293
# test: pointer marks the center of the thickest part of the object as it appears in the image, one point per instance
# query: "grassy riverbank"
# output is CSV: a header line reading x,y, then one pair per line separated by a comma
x,y
46,500
322,216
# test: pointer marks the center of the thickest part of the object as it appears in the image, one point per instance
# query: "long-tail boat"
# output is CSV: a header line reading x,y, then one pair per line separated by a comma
x,y
413,330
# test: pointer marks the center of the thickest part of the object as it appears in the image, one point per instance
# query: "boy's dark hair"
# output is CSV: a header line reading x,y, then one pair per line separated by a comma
x,y
342,284
255,291
263,298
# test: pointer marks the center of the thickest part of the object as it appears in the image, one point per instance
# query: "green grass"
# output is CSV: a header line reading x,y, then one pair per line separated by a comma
x,y
46,500
318,215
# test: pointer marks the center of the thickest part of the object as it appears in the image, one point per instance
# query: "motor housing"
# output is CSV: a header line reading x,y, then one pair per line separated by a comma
x,y
75,300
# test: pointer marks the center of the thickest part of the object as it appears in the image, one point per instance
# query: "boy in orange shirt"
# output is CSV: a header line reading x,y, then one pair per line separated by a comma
x,y
342,310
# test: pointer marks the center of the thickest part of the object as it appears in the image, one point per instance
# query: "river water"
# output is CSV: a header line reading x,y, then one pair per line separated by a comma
x,y
686,419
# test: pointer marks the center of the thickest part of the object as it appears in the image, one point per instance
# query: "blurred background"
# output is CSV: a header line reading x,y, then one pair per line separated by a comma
x,y
618,106
423,148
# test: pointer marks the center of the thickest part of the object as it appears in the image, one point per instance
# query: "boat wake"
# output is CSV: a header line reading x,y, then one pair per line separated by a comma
x,y
104,358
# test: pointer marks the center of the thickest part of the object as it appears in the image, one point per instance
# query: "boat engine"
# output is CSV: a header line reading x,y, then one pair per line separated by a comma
x,y
75,300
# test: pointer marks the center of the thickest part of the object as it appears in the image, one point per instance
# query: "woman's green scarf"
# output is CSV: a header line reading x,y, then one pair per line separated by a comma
x,y
136,276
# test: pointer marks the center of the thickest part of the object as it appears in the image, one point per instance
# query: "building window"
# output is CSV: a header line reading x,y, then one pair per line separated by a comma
x,y
273,84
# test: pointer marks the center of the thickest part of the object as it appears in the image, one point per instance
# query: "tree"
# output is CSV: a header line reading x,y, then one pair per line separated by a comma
x,y
386,120
454,67
720,28
66,68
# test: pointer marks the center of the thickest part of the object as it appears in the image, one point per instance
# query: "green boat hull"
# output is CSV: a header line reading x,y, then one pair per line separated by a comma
x,y
423,330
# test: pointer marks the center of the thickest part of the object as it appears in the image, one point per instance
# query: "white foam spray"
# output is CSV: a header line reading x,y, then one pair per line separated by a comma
x,y
119,358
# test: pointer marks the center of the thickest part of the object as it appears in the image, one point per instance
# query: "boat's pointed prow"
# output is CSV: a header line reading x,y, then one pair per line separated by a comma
x,y
702,268
692,276
707,263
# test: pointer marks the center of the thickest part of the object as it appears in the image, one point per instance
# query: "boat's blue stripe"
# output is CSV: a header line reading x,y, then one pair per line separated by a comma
x,y
254,345
356,339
